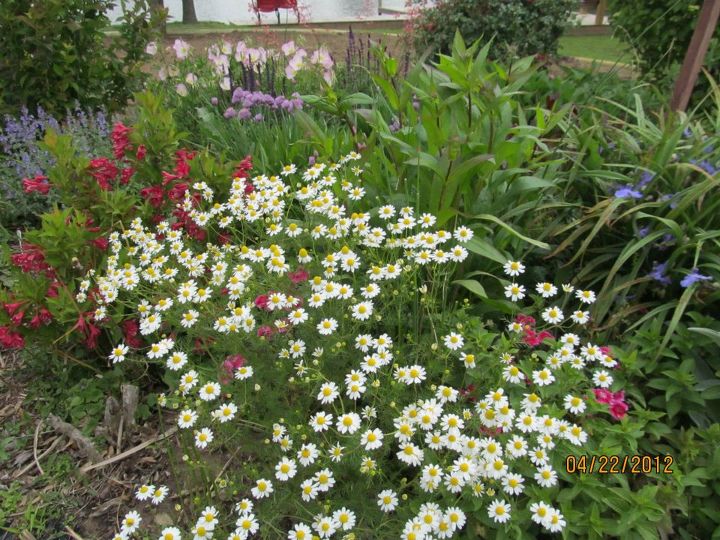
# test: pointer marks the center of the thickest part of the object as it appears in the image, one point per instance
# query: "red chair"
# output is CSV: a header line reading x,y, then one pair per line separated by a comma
x,y
274,5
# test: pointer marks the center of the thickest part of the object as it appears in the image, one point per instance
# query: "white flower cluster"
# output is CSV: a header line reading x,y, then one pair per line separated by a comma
x,y
500,444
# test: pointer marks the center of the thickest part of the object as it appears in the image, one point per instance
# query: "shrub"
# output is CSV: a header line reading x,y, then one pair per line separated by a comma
x,y
25,158
54,53
517,27
660,32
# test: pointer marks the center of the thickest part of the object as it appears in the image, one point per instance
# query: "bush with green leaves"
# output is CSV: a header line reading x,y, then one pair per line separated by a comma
x,y
517,27
660,31
56,52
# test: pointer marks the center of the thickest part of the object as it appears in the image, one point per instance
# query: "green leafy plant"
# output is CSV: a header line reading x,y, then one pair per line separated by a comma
x,y
516,27
56,52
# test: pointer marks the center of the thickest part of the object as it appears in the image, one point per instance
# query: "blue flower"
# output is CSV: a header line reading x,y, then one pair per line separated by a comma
x,y
628,192
658,273
693,277
645,179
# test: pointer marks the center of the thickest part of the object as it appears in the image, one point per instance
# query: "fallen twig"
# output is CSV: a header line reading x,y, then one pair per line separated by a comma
x,y
45,453
74,434
35,446
129,452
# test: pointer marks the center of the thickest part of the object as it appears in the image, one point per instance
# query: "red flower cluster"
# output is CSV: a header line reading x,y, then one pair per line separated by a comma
x,y
233,362
10,339
616,401
120,139
30,259
38,184
104,171
531,337
131,329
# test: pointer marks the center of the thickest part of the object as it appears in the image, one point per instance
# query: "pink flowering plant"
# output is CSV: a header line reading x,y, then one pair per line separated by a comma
x,y
309,346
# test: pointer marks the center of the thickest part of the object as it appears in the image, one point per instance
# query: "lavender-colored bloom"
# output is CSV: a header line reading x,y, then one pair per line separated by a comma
x,y
643,231
258,118
693,277
628,192
230,113
645,179
687,133
244,114
395,126
214,101
658,273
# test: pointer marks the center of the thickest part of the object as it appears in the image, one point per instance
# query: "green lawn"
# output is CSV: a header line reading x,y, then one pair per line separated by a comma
x,y
606,48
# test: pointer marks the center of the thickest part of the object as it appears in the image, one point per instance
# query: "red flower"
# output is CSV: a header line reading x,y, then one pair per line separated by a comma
x,y
120,139
299,276
43,316
525,320
141,152
602,395
100,243
52,291
10,339
618,410
265,331
12,308
30,259
17,318
125,175
224,238
104,171
153,194
177,192
38,184
233,362
243,168
130,329
261,302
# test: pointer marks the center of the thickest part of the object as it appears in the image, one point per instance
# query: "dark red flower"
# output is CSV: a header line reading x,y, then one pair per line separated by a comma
x,y
177,192
101,243
104,171
153,194
130,329
125,175
141,152
120,139
11,308
10,339
38,184
17,318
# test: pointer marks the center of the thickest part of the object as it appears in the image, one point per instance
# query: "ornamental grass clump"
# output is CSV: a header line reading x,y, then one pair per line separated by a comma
x,y
306,346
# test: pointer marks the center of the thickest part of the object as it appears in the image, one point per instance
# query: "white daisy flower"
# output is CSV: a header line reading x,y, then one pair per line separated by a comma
x,y
513,268
552,315
387,500
263,488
